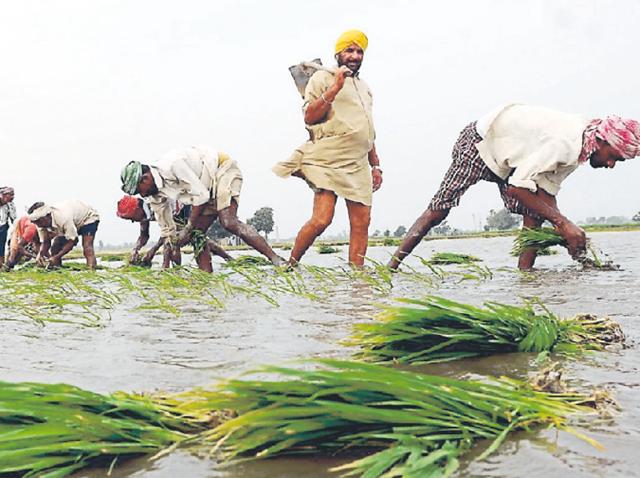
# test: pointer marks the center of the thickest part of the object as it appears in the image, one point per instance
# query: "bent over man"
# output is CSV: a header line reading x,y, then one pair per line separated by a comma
x,y
209,182
59,226
527,151
340,157
137,210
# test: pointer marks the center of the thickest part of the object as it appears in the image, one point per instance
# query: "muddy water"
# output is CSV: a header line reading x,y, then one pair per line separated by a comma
x,y
148,351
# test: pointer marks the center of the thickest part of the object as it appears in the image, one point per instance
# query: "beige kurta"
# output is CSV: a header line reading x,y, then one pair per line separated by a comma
x,y
67,217
336,156
193,176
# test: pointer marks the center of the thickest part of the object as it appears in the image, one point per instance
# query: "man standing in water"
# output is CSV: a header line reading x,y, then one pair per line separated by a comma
x,y
527,151
7,215
209,182
340,157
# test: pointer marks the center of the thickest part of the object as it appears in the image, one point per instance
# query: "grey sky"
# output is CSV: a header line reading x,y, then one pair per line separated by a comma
x,y
89,85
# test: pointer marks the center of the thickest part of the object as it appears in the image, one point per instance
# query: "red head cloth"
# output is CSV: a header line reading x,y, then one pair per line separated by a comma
x,y
622,134
127,206
29,232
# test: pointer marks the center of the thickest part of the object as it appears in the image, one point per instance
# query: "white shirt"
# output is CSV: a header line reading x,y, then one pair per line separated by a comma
x,y
533,147
187,176
67,217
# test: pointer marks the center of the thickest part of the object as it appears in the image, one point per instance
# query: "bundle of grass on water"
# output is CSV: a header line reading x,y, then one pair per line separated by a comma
x,y
413,424
546,237
54,430
440,330
327,249
452,258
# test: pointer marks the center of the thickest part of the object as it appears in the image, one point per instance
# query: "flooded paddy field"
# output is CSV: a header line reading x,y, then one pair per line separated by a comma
x,y
153,349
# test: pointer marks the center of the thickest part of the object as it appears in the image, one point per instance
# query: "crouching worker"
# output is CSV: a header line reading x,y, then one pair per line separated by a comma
x,y
59,226
24,242
137,210
527,152
209,182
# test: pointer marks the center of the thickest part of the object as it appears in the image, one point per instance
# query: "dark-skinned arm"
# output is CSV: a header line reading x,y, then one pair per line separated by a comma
x,y
194,218
317,109
143,238
43,251
376,172
544,205
65,249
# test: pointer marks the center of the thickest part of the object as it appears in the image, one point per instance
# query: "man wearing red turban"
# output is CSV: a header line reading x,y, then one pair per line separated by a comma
x,y
136,210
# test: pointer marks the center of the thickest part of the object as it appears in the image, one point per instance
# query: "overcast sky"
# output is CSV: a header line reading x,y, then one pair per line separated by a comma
x,y
87,86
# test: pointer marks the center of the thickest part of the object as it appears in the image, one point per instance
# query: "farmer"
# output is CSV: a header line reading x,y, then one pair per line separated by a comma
x,y
209,182
24,242
7,215
137,210
527,151
59,226
340,157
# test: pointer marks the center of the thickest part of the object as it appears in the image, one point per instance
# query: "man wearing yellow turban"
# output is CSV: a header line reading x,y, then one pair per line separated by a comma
x,y
340,157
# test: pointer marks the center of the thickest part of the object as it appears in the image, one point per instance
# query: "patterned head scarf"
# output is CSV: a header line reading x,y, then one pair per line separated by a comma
x,y
6,190
349,37
127,206
130,177
39,213
622,134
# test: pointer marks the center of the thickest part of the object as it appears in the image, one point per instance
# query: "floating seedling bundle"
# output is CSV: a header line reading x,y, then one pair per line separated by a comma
x,y
411,424
452,258
439,330
54,430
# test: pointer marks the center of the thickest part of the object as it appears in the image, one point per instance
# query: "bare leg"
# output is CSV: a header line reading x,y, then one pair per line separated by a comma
x,y
324,205
56,246
88,251
203,259
359,219
429,218
229,220
217,250
528,256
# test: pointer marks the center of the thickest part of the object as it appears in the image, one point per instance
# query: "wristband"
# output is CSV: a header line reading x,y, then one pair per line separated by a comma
x,y
325,100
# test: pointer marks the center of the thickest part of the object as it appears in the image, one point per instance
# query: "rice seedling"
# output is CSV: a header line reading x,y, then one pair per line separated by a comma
x,y
439,330
545,237
326,249
452,258
411,424
52,430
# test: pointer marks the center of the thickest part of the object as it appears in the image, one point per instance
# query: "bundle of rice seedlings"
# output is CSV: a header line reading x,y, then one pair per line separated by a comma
x,y
412,424
546,237
440,330
53,430
452,258
326,249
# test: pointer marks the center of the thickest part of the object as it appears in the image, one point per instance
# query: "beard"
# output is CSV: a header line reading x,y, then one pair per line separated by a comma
x,y
353,66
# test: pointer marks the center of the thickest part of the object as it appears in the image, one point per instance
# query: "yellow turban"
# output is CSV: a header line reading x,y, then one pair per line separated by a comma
x,y
349,37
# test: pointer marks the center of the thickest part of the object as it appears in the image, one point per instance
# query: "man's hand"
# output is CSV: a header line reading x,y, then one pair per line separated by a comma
x,y
376,176
184,236
575,237
339,76
41,260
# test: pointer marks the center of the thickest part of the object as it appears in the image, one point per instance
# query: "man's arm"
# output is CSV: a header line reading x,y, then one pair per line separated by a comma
x,y
318,108
65,250
544,204
143,238
376,172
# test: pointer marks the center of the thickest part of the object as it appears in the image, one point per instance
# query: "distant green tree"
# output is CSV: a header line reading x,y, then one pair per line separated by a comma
x,y
400,232
377,233
262,220
442,229
501,220
386,233
636,217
